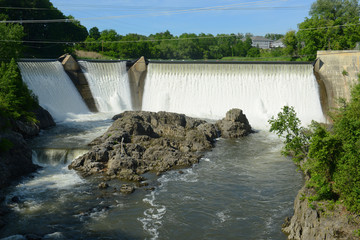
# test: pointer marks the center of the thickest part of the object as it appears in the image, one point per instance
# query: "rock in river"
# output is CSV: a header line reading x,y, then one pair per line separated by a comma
x,y
138,142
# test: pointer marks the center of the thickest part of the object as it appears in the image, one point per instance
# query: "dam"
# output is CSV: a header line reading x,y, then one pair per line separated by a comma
x,y
205,90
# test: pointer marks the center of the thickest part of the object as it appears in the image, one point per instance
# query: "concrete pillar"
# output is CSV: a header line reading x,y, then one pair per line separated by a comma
x,y
73,70
137,74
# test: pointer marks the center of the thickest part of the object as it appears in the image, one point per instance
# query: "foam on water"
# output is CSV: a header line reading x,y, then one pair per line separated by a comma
x,y
210,90
152,219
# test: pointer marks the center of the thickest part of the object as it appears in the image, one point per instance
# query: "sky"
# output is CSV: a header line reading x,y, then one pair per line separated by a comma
x,y
188,16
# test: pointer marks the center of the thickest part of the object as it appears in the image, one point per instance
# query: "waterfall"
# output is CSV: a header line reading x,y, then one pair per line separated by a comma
x,y
109,85
53,87
210,90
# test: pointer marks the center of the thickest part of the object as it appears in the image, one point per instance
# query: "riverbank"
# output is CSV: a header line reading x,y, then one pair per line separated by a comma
x,y
320,219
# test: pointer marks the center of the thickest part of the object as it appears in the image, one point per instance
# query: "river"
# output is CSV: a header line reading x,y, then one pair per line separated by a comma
x,y
242,189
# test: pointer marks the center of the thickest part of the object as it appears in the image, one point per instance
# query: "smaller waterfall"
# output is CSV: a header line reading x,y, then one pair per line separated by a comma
x,y
109,85
54,88
55,157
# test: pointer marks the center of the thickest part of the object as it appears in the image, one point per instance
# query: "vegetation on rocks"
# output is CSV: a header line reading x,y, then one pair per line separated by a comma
x,y
331,154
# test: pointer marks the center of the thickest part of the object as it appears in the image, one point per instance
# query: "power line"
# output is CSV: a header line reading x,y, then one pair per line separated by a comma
x,y
118,41
336,26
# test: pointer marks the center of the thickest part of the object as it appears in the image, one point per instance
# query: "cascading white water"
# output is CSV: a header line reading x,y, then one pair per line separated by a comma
x,y
54,88
210,90
109,85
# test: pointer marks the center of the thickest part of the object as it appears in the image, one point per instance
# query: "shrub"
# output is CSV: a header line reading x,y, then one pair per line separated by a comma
x,y
333,156
287,125
16,100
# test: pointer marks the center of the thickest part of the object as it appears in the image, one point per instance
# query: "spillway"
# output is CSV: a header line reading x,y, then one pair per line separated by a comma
x,y
109,85
55,90
210,90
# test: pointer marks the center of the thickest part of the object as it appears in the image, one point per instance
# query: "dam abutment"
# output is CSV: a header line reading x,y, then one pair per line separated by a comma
x,y
336,72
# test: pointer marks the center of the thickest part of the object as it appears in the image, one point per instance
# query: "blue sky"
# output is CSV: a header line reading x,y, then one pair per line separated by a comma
x,y
188,16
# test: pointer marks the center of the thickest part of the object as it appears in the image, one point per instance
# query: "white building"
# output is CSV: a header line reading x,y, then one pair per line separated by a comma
x,y
264,43
278,44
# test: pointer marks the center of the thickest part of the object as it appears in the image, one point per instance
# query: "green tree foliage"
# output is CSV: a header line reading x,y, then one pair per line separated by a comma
x,y
291,43
333,25
60,31
94,33
164,45
274,36
16,101
11,36
288,125
333,156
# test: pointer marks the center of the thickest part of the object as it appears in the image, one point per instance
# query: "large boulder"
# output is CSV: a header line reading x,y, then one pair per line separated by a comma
x,y
44,117
15,157
32,129
234,125
138,142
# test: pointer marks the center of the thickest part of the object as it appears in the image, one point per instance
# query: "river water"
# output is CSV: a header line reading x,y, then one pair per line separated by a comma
x,y
242,189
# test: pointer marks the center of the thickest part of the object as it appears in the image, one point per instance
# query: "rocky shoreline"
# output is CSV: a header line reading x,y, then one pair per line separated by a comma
x,y
15,154
320,220
140,142
16,157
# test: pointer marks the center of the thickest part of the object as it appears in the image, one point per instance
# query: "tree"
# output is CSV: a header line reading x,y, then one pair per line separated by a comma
x,y
16,101
94,33
274,36
11,45
290,42
333,25
253,52
58,31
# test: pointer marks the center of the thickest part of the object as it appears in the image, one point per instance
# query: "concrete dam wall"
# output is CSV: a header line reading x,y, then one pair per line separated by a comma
x,y
336,72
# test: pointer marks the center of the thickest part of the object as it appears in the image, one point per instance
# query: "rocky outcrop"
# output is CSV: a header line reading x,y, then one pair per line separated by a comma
x,y
31,129
234,125
320,220
15,157
138,142
45,119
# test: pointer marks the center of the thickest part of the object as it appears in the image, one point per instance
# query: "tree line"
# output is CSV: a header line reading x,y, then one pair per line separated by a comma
x,y
331,25
165,45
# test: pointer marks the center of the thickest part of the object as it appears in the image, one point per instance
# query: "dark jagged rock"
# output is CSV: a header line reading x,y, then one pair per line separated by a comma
x,y
127,189
44,117
234,125
138,142
31,129
15,155
103,185
16,160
